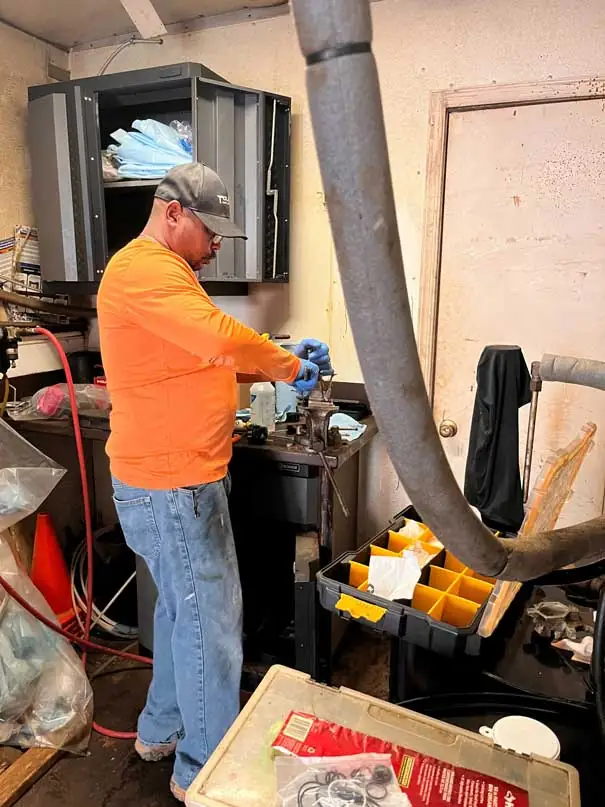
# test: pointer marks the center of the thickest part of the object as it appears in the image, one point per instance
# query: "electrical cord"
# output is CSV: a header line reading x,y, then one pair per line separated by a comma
x,y
83,641
79,599
106,608
521,690
132,41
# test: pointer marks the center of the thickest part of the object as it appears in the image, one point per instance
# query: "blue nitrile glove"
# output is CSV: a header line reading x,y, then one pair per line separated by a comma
x,y
317,352
307,378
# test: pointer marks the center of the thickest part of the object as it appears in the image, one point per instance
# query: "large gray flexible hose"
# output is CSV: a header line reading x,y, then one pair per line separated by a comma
x,y
585,372
346,111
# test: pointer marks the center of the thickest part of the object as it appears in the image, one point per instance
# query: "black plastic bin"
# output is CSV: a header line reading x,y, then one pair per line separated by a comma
x,y
400,619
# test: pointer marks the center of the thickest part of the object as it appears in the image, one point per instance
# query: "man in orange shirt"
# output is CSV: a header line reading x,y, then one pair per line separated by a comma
x,y
171,358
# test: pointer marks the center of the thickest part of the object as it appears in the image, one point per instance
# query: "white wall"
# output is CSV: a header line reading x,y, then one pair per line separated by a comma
x,y
23,62
420,46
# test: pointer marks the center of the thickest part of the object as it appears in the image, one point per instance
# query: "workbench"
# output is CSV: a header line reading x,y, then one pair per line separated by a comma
x,y
282,505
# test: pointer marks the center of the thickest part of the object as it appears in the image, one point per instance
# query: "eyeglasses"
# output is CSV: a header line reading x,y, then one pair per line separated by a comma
x,y
212,237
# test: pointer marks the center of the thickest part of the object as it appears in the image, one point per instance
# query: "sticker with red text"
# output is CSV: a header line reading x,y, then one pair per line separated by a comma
x,y
426,781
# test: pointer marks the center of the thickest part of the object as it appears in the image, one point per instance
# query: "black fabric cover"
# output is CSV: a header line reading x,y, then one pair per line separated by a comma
x,y
492,480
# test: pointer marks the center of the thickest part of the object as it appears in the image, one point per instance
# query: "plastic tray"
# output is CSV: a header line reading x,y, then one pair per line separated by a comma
x,y
240,773
447,605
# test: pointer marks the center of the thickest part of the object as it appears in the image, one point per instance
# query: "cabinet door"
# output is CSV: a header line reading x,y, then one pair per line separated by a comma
x,y
60,185
275,193
229,141
244,135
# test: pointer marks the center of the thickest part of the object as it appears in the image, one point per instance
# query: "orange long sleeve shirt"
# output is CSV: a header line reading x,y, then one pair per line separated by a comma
x,y
171,357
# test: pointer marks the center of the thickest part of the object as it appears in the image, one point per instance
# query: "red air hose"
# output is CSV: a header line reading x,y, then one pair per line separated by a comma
x,y
85,642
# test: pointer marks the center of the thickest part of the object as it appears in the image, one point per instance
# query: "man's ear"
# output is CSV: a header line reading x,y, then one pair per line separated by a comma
x,y
173,212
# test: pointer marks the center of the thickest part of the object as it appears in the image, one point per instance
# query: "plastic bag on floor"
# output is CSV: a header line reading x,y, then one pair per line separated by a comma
x,y
45,696
27,476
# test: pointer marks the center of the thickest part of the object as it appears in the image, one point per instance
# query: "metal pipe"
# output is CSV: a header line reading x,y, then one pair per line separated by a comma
x,y
326,510
571,370
22,326
335,488
34,304
344,99
28,328
536,387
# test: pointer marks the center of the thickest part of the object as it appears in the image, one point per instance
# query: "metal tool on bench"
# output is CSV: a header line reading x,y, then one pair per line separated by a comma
x,y
314,432
315,412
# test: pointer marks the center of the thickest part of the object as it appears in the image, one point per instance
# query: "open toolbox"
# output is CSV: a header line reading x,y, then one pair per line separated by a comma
x,y
447,604
454,766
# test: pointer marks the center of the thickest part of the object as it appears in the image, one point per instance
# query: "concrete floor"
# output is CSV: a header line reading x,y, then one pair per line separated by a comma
x,y
112,775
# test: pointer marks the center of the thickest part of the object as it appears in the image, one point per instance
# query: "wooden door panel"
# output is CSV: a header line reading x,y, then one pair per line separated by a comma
x,y
523,263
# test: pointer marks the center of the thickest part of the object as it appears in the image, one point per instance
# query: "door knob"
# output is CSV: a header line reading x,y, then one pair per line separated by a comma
x,y
447,428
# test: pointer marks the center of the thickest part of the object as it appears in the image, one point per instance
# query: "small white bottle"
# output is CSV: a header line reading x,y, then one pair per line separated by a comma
x,y
262,404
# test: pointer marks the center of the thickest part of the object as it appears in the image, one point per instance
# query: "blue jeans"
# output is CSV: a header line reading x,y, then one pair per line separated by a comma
x,y
185,537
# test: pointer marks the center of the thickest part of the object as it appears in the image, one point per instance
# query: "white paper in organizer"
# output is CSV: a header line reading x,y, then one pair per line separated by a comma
x,y
394,578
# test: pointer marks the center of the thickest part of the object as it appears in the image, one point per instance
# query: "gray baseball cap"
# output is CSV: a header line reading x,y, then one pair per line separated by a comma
x,y
201,190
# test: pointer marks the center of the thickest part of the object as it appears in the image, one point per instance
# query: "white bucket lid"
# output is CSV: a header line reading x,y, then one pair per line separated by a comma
x,y
524,735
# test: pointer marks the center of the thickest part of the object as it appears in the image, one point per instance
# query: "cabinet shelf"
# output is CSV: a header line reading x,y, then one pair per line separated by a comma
x,y
124,184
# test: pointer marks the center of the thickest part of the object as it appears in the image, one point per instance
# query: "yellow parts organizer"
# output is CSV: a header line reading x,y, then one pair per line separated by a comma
x,y
398,543
451,592
360,609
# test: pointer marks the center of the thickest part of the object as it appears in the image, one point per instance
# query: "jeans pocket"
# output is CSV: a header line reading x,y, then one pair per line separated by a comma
x,y
190,495
139,525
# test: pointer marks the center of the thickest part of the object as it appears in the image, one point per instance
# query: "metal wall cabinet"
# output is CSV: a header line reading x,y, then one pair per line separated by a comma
x,y
242,133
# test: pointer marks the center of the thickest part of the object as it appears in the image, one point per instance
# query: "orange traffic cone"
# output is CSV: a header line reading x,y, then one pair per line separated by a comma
x,y
49,571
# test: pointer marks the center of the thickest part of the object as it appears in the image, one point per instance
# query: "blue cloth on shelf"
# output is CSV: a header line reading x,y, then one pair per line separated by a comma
x,y
148,152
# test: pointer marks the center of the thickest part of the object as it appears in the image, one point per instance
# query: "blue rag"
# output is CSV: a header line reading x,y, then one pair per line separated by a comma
x,y
342,421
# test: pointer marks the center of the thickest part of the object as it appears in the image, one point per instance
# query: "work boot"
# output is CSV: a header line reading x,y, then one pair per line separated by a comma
x,y
177,791
154,753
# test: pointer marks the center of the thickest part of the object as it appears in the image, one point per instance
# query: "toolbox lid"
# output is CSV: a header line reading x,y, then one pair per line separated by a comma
x,y
240,773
